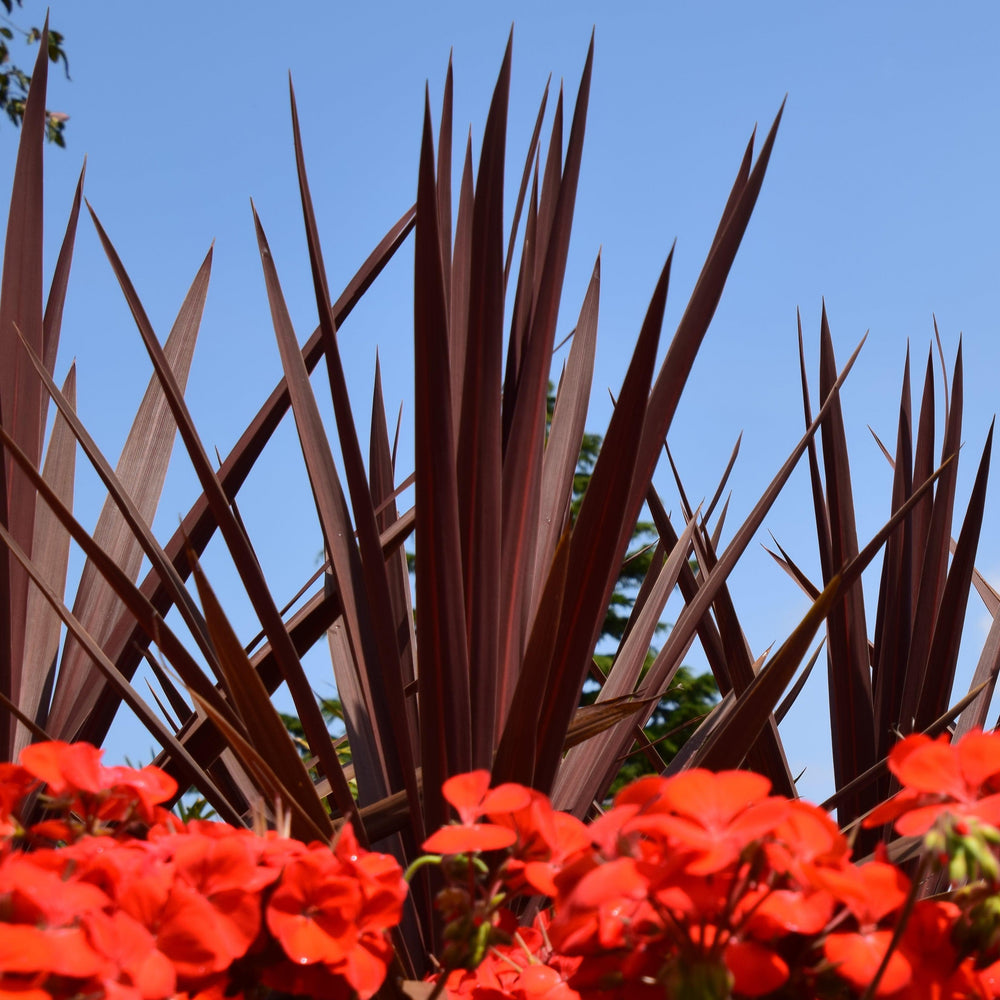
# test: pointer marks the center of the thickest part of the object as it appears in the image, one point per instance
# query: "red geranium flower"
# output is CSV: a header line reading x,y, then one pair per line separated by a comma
x,y
472,798
716,815
927,946
65,767
546,839
857,957
871,892
938,778
226,875
15,781
61,951
597,904
36,889
131,948
110,793
182,921
314,909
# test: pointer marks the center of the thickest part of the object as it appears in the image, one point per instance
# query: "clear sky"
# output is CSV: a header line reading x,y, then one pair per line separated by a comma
x,y
881,196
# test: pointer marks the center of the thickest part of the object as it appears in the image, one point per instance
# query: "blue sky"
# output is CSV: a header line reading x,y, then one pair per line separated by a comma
x,y
881,196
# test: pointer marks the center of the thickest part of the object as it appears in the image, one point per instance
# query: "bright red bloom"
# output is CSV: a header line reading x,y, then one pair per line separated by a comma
x,y
330,912
716,815
857,957
546,840
65,767
61,951
695,885
109,793
143,789
226,875
15,781
314,909
789,911
132,950
597,905
927,946
132,919
183,923
940,777
525,969
34,889
807,834
471,796
871,892
756,969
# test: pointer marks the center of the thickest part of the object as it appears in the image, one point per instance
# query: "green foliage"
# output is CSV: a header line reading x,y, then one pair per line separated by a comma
x,y
14,81
333,713
193,809
332,710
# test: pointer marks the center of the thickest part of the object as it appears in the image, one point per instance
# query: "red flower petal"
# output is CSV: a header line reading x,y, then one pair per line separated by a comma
x,y
756,970
187,933
798,912
465,792
469,837
313,911
65,766
132,948
364,966
506,798
148,787
62,951
869,892
931,766
858,957
979,756
713,799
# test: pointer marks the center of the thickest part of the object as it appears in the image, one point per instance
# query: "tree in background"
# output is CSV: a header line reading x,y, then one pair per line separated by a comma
x,y
14,82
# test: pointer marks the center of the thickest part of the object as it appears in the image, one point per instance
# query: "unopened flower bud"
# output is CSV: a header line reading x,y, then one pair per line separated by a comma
x,y
452,901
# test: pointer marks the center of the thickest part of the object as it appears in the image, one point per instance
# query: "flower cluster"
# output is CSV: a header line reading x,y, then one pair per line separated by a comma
x,y
112,895
705,885
699,886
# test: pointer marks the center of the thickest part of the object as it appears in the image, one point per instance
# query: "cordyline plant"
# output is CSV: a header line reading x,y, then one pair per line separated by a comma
x,y
483,665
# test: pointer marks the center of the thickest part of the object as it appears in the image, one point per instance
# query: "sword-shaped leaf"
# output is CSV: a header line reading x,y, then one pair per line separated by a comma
x,y
371,586
242,554
445,723
523,448
198,526
189,766
730,743
598,544
478,454
140,475
263,726
50,548
21,395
